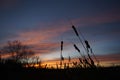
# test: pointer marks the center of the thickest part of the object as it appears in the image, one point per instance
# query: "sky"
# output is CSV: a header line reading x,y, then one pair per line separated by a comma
x,y
43,24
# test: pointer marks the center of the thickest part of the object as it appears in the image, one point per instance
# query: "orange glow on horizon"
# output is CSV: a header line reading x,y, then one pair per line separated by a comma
x,y
56,63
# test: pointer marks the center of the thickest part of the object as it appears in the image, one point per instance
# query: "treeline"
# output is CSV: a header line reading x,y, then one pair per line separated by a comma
x,y
19,55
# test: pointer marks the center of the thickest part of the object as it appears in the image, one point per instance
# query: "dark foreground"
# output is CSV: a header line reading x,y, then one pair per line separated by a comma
x,y
18,73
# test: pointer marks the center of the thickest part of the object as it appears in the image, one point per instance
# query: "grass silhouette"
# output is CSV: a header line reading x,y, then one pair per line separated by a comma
x,y
14,71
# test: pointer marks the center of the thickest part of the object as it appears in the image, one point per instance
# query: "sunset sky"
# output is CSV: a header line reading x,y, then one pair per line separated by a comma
x,y
43,24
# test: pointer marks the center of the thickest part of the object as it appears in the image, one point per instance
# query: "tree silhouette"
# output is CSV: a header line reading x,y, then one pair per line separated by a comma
x,y
17,50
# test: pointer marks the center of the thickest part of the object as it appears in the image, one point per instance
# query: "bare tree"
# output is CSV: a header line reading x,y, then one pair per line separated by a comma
x,y
17,50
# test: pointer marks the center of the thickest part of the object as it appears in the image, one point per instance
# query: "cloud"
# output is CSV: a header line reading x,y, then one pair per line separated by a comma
x,y
4,56
41,35
113,58
105,60
8,3
41,39
104,17
46,47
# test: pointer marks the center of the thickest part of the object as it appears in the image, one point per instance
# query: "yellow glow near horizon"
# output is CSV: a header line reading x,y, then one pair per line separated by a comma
x,y
56,63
